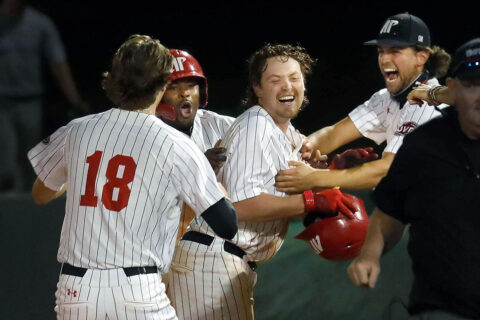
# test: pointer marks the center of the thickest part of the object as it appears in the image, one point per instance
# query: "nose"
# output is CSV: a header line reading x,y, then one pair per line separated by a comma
x,y
185,92
383,57
286,85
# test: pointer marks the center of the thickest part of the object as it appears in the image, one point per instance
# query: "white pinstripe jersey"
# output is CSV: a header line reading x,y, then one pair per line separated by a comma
x,y
126,173
256,150
380,118
208,127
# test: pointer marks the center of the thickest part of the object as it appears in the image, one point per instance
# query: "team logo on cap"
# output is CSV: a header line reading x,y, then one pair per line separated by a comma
x,y
406,128
388,26
472,52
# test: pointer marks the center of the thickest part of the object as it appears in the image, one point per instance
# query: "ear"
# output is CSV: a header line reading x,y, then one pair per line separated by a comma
x,y
258,91
422,57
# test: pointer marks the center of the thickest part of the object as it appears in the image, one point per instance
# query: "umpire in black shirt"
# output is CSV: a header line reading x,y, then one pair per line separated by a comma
x,y
433,185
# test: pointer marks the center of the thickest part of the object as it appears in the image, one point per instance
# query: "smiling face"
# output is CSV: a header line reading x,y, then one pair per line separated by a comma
x,y
466,94
400,66
281,90
184,95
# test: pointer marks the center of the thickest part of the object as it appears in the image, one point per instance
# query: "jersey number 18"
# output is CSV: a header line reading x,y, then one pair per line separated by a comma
x,y
89,199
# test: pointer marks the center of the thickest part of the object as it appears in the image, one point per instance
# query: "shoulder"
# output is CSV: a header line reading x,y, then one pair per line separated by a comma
x,y
255,118
380,96
38,17
213,116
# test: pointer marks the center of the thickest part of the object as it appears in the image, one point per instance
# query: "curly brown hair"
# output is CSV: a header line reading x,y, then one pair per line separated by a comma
x,y
257,64
140,68
439,60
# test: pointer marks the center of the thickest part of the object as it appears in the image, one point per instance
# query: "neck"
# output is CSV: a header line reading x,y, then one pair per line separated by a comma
x,y
401,97
282,125
149,110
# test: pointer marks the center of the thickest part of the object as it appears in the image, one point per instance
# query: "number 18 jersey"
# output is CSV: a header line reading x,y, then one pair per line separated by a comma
x,y
126,173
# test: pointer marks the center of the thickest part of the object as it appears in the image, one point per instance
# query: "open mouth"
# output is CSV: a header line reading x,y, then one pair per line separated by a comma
x,y
391,74
286,99
186,109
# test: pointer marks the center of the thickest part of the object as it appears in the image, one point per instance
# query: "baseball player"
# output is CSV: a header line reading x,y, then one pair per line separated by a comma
x,y
439,201
126,173
212,278
406,59
186,92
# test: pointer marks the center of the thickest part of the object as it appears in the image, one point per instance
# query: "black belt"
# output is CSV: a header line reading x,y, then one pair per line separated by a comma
x,y
130,271
227,246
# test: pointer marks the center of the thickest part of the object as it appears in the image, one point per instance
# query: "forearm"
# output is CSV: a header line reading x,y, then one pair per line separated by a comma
x,y
265,207
384,232
43,195
330,138
442,95
366,176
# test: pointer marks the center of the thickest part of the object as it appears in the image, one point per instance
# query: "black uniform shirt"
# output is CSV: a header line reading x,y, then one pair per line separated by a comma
x,y
434,185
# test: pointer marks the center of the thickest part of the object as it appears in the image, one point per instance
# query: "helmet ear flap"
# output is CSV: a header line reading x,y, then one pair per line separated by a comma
x,y
336,238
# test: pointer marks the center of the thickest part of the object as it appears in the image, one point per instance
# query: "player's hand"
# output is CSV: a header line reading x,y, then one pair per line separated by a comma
x,y
352,158
216,156
364,271
315,158
328,203
296,179
420,94
307,149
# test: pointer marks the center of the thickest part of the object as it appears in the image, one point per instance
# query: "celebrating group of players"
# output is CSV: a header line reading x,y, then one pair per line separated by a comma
x,y
158,185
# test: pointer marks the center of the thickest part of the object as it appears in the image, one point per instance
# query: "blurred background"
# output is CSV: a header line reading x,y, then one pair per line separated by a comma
x,y
221,35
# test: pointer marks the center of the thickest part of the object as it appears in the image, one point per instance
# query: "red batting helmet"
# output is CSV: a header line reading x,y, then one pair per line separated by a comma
x,y
338,237
184,66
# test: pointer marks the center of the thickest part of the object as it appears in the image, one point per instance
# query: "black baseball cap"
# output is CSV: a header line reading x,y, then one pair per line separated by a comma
x,y
402,30
466,61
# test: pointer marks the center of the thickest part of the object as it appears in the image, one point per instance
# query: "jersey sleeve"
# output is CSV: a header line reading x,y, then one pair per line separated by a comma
x,y
369,118
48,159
249,159
394,144
194,178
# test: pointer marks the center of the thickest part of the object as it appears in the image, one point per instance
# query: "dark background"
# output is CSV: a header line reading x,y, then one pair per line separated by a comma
x,y
222,34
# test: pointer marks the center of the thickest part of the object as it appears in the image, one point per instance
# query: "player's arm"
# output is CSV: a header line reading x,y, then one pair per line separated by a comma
x,y
266,207
302,177
331,138
327,203
431,95
222,218
384,232
43,195
199,188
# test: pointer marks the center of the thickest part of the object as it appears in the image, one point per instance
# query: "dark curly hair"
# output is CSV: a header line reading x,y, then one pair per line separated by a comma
x,y
257,64
140,68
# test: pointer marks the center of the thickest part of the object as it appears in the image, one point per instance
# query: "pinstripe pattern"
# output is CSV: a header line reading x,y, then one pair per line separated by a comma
x,y
380,118
110,294
167,168
208,128
205,281
256,150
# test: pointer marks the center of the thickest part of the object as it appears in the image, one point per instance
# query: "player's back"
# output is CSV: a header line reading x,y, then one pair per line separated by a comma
x,y
122,205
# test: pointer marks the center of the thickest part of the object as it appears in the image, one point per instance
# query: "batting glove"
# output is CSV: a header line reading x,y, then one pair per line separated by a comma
x,y
328,203
352,158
